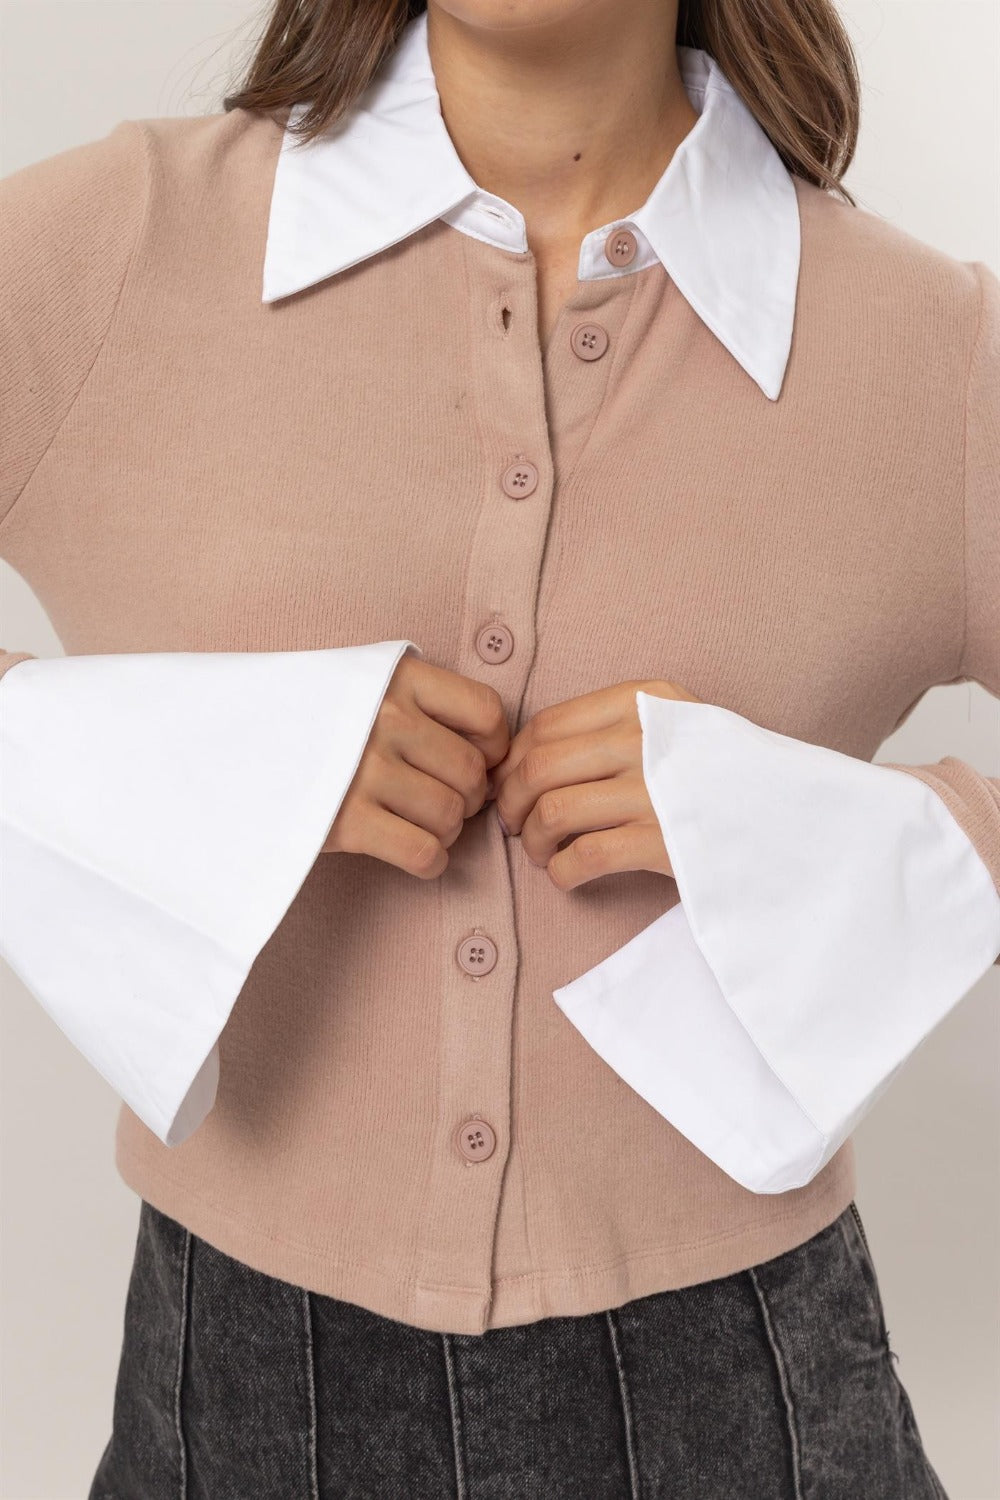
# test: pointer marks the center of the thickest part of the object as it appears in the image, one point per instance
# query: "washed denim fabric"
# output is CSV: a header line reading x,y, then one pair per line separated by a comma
x,y
775,1383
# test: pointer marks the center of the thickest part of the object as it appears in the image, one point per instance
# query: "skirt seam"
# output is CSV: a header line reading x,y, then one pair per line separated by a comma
x,y
627,1416
179,1376
786,1391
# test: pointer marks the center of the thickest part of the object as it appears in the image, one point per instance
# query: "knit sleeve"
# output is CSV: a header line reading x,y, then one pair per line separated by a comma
x,y
833,911
68,226
974,799
142,864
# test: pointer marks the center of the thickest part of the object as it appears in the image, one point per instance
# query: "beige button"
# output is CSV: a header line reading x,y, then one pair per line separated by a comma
x,y
519,479
476,1139
620,247
477,955
494,643
588,340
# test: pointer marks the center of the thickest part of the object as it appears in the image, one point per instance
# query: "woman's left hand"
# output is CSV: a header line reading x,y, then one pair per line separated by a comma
x,y
574,771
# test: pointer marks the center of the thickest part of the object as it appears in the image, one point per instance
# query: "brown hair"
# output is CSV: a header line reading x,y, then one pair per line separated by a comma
x,y
790,61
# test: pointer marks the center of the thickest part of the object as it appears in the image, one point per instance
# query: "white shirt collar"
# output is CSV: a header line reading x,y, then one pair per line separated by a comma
x,y
722,220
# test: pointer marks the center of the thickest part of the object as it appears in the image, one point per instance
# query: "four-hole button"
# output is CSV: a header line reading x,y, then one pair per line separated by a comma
x,y
519,479
620,247
588,340
494,643
477,955
476,1139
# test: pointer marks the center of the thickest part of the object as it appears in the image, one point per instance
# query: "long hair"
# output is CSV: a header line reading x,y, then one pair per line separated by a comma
x,y
790,61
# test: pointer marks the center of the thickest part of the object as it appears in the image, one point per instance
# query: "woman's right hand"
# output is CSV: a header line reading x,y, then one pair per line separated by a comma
x,y
424,768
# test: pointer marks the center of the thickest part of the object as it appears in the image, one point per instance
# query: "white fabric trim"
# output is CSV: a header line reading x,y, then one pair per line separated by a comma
x,y
723,218
158,813
833,911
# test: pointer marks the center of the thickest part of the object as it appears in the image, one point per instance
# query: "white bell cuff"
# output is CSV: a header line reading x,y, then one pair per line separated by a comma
x,y
158,813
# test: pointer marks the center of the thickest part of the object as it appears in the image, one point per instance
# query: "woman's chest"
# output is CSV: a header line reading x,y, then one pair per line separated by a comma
x,y
551,525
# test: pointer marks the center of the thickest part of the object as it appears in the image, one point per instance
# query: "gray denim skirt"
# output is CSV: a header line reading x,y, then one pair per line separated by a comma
x,y
774,1383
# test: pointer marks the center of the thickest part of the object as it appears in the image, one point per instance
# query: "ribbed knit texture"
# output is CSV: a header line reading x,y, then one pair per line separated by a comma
x,y
184,468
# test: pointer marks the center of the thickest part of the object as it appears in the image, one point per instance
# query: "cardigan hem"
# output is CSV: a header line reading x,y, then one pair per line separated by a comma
x,y
522,1298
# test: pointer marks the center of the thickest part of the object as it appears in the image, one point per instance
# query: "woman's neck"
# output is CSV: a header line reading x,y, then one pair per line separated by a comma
x,y
572,120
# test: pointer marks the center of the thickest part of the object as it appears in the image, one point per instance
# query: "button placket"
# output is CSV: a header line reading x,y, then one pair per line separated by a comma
x,y
505,425
524,407
577,377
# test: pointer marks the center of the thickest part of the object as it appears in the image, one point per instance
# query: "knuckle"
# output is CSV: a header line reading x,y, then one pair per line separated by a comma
x,y
393,713
534,765
549,809
453,812
490,707
541,719
374,766
589,849
473,766
425,856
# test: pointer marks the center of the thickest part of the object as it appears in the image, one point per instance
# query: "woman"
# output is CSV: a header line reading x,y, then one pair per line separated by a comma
x,y
497,494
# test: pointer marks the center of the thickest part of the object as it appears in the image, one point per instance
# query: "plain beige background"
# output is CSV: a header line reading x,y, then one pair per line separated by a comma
x,y
929,1153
